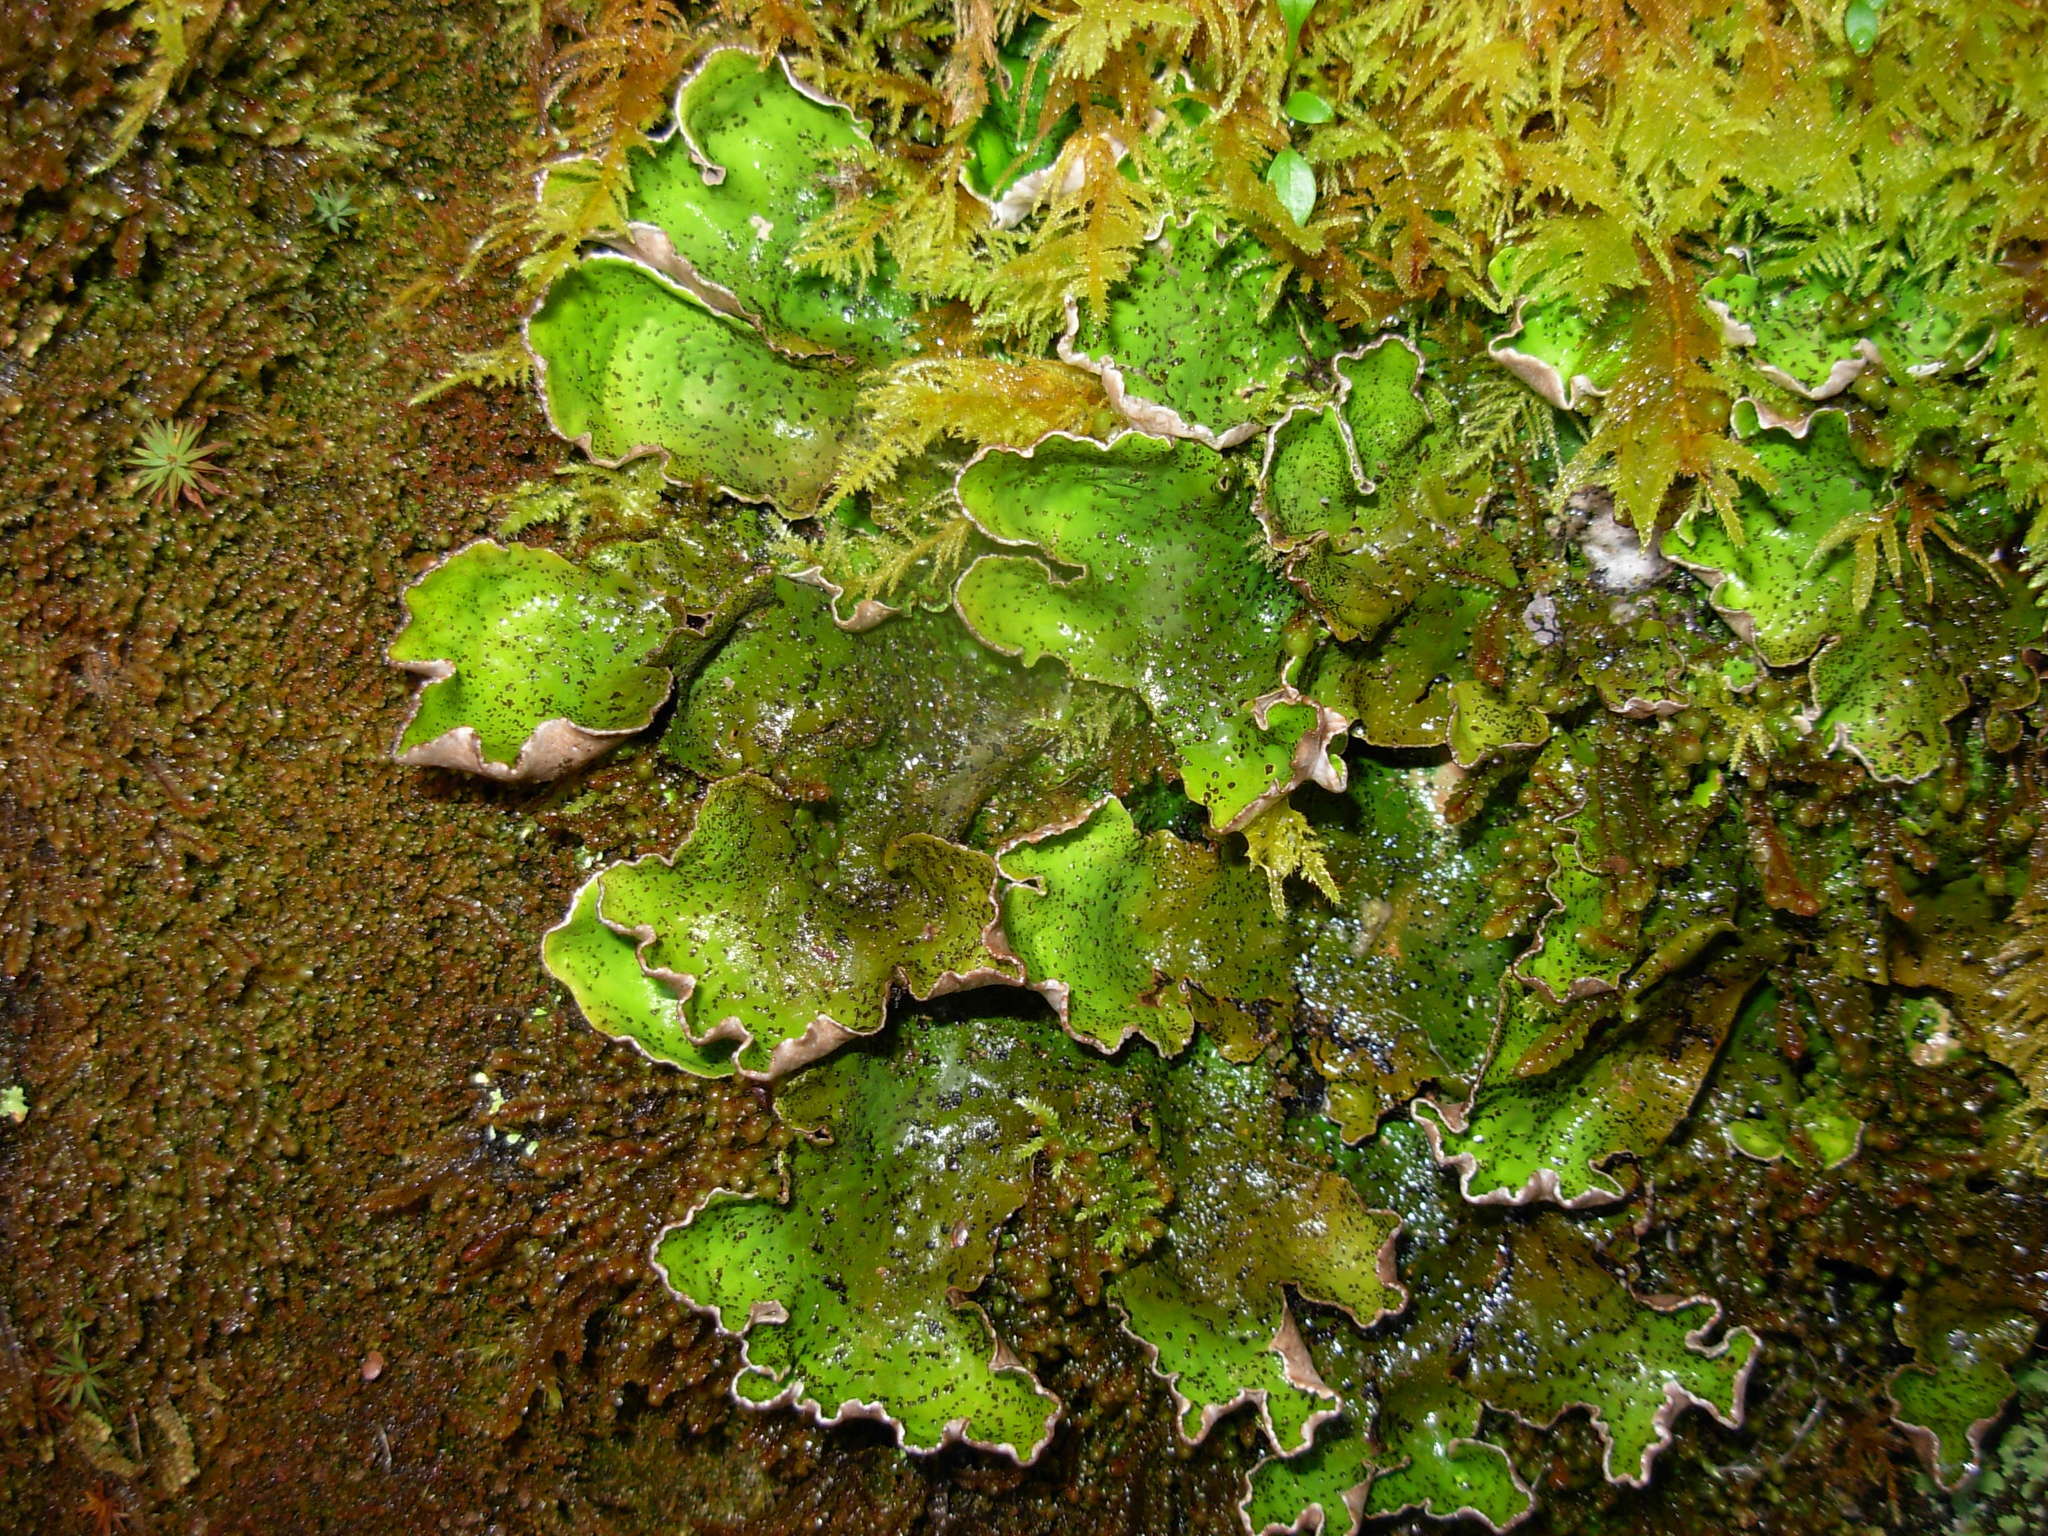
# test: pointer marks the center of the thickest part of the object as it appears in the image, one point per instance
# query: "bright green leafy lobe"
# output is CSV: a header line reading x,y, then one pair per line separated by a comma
x,y
753,927
1571,1333
601,968
1250,1217
1196,341
850,1292
1538,1325
1780,585
1563,355
1766,1107
1885,691
1966,1344
1401,984
1806,579
1812,339
1309,107
930,1152
1554,1135
1434,1462
1413,687
1483,724
1169,604
632,364
908,726
731,195
1365,499
1792,345
1625,827
536,664
1367,502
1831,1132
1117,928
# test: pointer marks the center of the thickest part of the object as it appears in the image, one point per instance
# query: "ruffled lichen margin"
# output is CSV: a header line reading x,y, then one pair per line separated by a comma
x,y
1682,812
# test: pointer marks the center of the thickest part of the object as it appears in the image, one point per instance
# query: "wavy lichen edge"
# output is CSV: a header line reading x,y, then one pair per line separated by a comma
x,y
824,1034
650,243
1540,374
1311,761
1545,1186
554,747
1001,1358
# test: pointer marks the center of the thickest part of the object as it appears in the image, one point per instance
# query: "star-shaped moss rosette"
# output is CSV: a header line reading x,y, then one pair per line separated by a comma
x,y
535,665
1518,1316
1143,579
1121,930
1197,342
702,340
755,938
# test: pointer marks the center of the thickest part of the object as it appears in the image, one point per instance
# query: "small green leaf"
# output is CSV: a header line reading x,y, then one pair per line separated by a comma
x,y
1859,24
1294,13
1308,107
1293,183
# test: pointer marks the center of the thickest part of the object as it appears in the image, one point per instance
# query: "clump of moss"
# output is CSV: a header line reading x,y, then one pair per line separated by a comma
x,y
1575,518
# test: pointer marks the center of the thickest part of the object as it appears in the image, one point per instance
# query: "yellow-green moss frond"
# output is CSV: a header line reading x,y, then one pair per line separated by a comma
x,y
982,402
